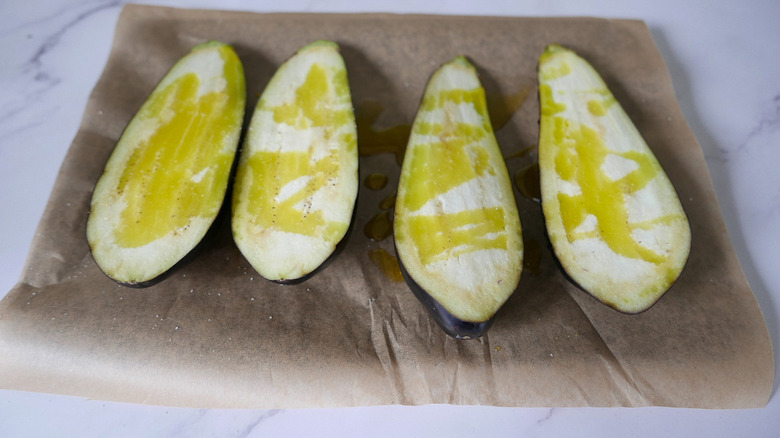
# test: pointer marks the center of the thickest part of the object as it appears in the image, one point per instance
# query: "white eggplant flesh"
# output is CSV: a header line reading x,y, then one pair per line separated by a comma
x,y
297,178
165,182
457,230
613,218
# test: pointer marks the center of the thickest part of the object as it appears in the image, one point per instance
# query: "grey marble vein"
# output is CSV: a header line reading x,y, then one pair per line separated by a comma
x,y
251,427
37,78
53,39
769,121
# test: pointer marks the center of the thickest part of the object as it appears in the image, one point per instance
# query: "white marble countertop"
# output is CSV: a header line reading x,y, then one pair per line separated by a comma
x,y
723,59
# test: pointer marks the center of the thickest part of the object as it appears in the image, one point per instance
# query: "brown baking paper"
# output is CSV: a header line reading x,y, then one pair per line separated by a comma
x,y
215,334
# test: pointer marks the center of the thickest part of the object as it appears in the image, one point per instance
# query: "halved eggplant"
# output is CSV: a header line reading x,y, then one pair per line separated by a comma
x,y
297,179
456,227
613,217
166,179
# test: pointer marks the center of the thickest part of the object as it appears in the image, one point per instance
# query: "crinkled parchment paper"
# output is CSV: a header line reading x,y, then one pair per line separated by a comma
x,y
215,334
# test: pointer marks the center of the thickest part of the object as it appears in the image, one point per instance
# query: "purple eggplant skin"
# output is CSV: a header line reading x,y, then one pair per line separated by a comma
x,y
452,325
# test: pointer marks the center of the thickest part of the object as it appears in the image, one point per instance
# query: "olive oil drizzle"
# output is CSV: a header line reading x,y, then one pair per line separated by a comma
x,y
456,155
319,102
376,181
578,153
277,170
532,257
387,263
179,172
380,227
527,182
452,234
375,141
388,202
315,104
521,153
394,139
502,107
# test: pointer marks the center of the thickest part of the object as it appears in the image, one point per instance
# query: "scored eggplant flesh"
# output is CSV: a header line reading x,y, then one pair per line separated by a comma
x,y
166,179
614,220
456,226
297,178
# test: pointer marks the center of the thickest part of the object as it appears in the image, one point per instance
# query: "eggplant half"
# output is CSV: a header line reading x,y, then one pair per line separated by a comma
x,y
297,178
614,220
457,230
166,179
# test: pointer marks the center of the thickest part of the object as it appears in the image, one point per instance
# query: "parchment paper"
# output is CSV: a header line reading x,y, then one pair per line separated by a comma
x,y
215,334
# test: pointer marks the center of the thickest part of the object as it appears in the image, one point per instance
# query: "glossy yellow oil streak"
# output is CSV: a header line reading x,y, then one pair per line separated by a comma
x,y
456,156
273,171
319,102
613,217
297,179
456,224
580,160
558,71
452,234
578,155
550,106
596,108
180,171
314,104
474,97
